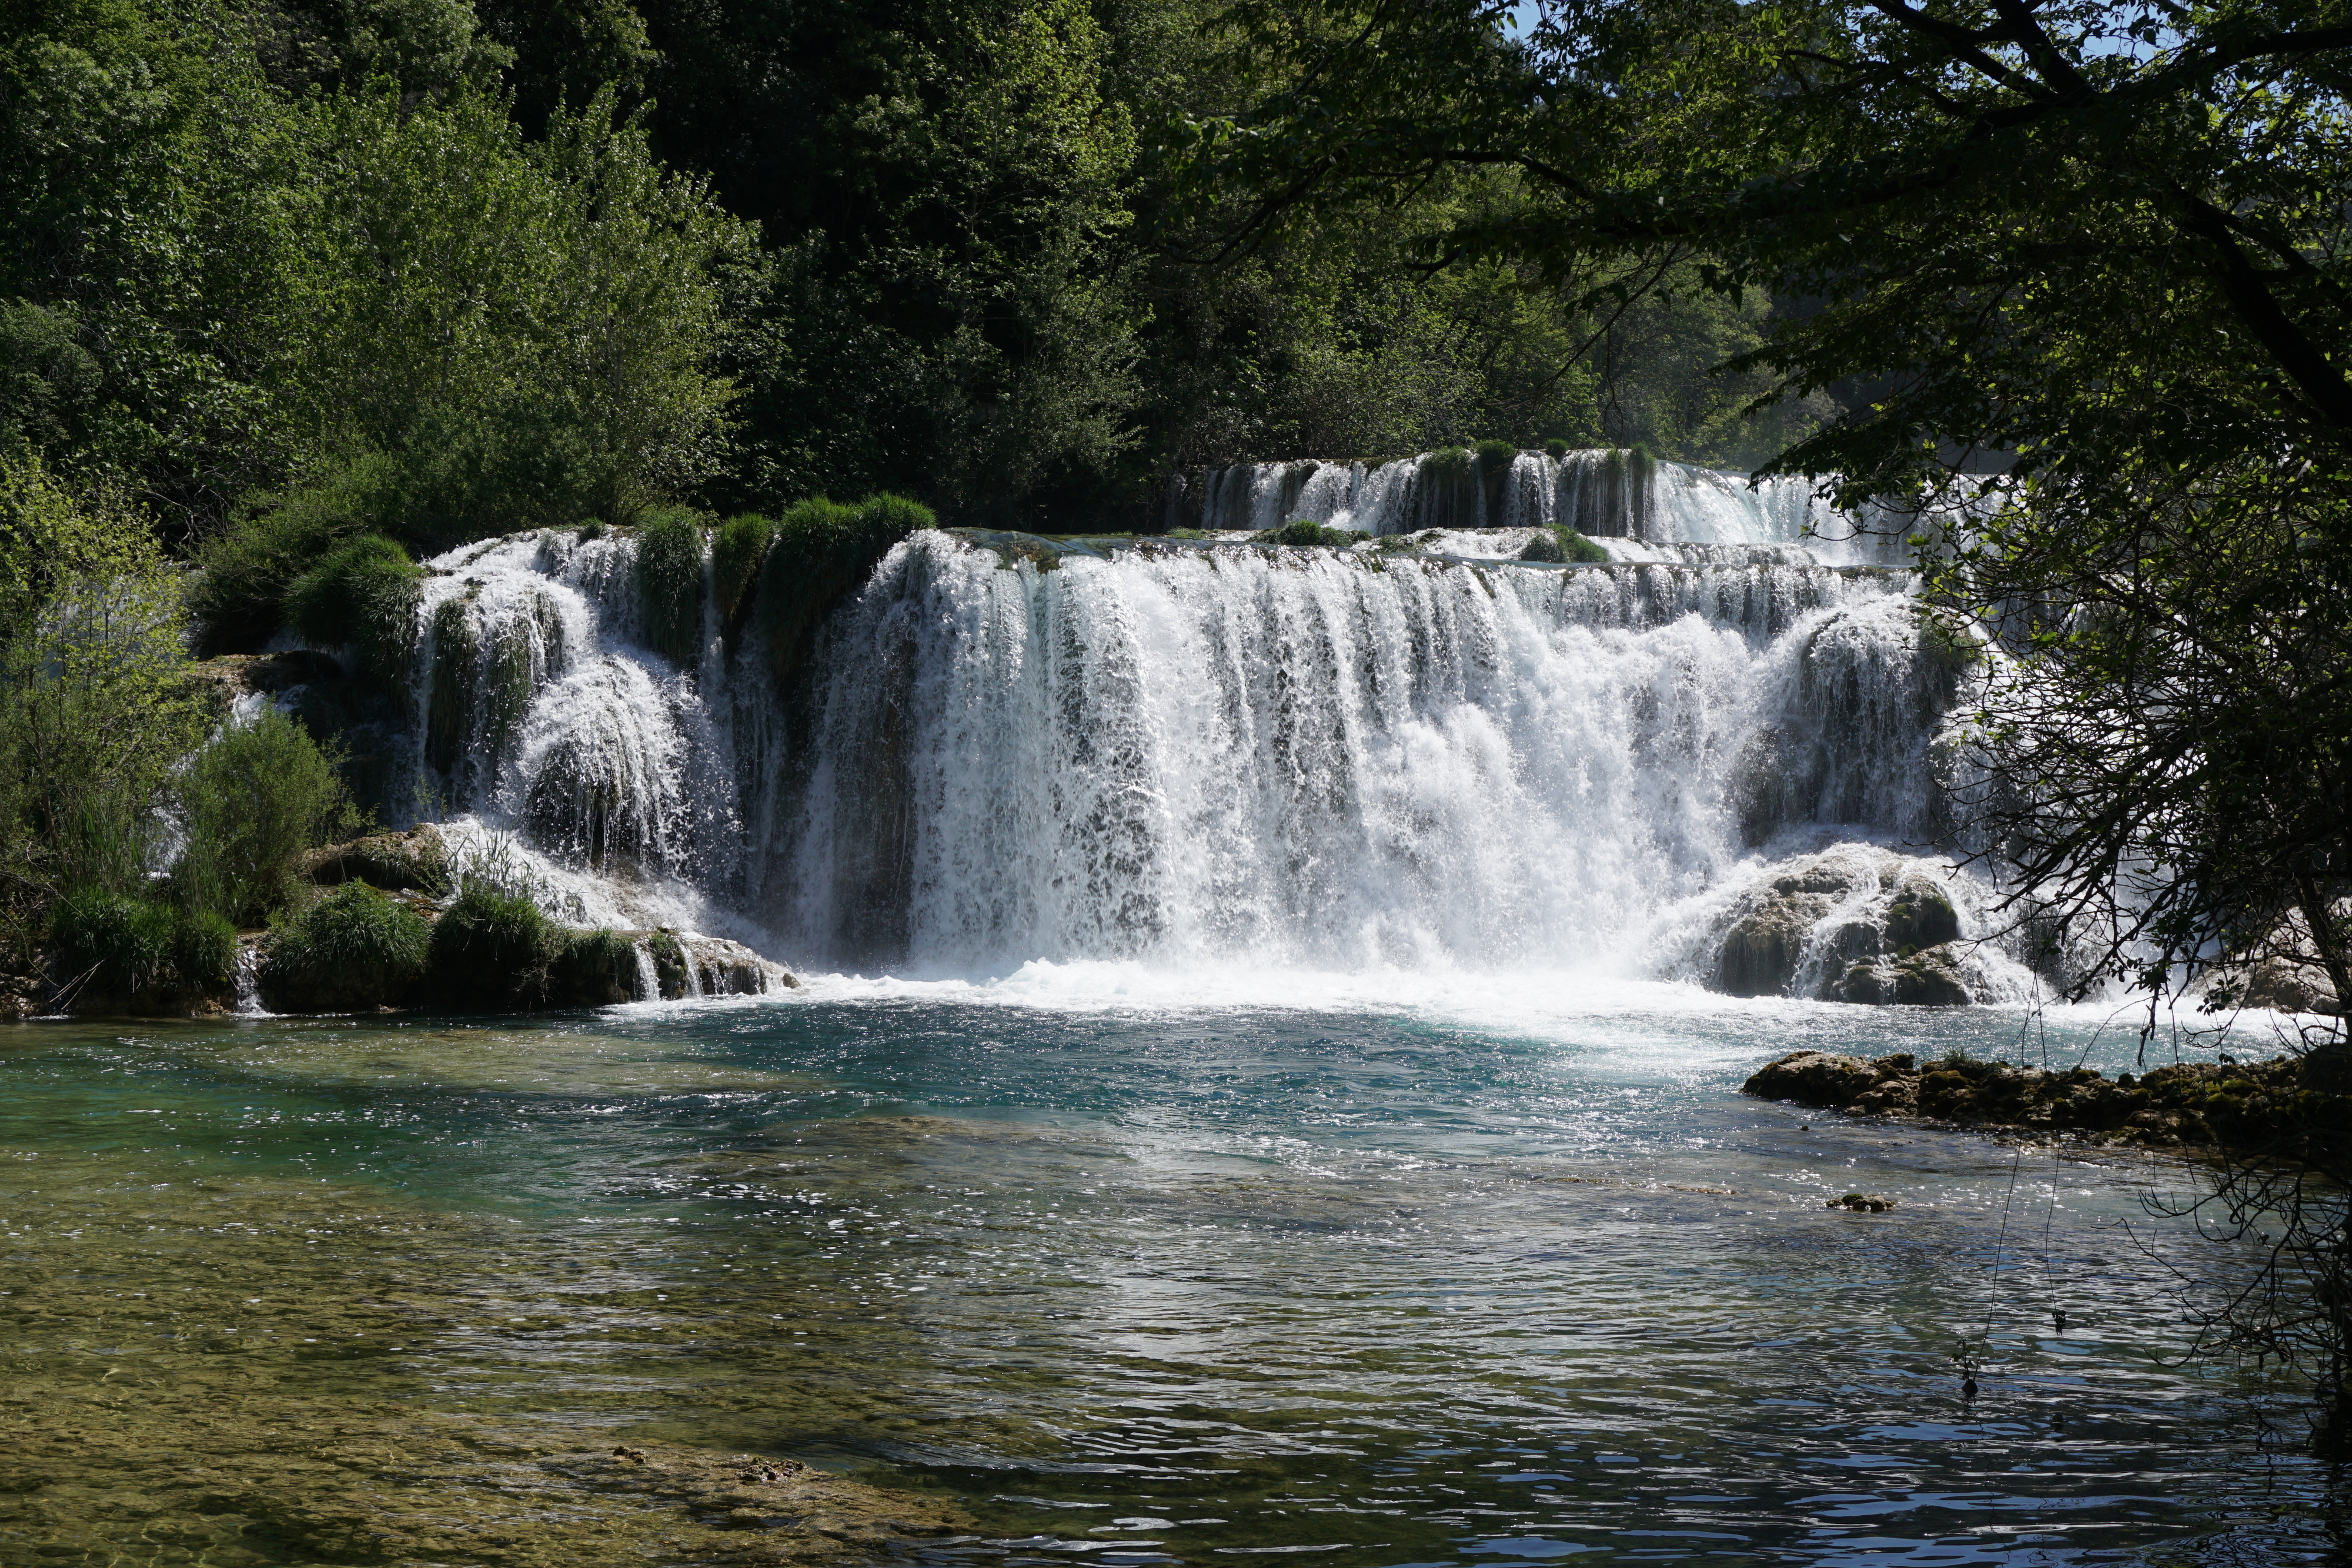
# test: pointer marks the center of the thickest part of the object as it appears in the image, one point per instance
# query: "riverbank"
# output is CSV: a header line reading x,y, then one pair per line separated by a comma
x,y
2187,1105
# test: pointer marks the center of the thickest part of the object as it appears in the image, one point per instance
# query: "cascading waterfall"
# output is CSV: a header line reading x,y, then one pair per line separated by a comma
x,y
1187,753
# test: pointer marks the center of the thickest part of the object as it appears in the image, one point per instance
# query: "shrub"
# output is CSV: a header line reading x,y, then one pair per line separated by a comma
x,y
240,597
1494,454
1306,531
823,550
363,595
254,800
735,560
1448,463
139,951
1555,448
354,948
493,948
669,583
1575,547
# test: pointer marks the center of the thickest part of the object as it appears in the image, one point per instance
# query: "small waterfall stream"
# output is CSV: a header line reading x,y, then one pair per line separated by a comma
x,y
1188,754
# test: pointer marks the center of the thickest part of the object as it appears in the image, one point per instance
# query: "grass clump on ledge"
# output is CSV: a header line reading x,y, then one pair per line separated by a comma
x,y
822,550
735,558
353,949
669,582
364,596
138,954
1560,544
492,949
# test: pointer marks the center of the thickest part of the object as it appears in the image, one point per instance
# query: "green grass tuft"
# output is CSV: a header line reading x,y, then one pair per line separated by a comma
x,y
353,949
823,550
1306,531
363,595
492,949
670,581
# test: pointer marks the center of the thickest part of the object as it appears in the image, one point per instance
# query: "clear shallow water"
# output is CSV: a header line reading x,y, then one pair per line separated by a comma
x,y
1132,1267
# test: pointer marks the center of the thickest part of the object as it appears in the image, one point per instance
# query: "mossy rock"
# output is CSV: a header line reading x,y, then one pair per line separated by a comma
x,y
416,861
353,951
1921,915
669,964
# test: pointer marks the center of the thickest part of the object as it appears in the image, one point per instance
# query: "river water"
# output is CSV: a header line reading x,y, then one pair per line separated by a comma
x,y
1131,1266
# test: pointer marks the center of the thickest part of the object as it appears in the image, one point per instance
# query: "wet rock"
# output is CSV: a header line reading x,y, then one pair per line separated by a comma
x,y
1855,926
416,860
1863,1203
2245,1103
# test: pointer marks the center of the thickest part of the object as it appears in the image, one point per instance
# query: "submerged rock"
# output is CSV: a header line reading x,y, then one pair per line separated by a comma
x,y
2185,1104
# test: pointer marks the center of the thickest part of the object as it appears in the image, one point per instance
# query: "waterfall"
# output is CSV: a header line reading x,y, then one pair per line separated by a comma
x,y
1601,493
1002,749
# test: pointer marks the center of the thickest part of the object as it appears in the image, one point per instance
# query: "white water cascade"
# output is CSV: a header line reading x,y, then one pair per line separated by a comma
x,y
1189,753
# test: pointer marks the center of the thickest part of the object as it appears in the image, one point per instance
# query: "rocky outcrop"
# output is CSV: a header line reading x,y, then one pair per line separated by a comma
x,y
416,861
1860,925
687,966
2186,1105
2282,972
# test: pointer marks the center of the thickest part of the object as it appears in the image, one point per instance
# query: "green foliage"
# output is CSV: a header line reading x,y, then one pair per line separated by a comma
x,y
1494,454
594,970
364,595
823,550
492,947
1306,531
669,583
95,708
353,949
1561,544
254,800
137,952
735,558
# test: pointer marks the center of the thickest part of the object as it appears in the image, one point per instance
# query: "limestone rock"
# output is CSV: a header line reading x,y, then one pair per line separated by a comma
x,y
416,861
1858,926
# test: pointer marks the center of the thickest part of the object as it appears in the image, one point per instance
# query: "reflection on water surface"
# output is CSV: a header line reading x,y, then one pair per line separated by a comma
x,y
1131,1284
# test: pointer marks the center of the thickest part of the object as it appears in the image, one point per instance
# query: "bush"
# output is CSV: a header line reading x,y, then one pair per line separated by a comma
x,y
669,582
354,948
1306,531
492,949
1555,448
363,595
254,800
735,560
137,951
823,550
1494,454
240,597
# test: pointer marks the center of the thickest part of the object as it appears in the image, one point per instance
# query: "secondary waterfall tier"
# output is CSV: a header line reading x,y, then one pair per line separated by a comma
x,y
1601,493
1186,754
